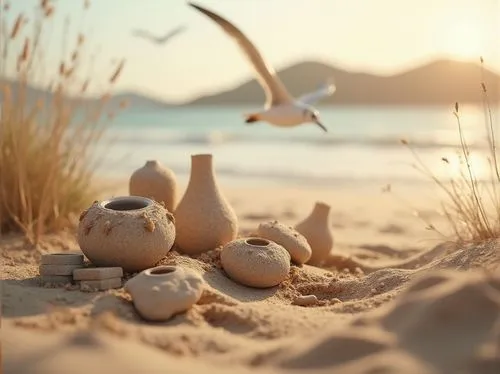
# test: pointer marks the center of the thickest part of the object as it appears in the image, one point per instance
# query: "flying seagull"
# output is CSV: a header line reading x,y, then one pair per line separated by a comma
x,y
158,39
280,109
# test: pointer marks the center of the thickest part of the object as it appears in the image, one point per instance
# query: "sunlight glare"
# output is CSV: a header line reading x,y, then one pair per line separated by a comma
x,y
465,39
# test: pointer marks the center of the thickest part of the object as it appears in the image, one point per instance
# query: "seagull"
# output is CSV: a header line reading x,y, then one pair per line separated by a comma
x,y
280,108
158,39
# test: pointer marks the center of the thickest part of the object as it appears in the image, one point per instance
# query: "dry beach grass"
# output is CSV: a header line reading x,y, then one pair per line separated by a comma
x,y
46,156
390,299
471,206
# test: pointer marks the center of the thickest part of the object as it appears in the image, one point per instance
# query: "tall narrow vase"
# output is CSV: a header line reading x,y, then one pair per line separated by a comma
x,y
156,182
204,219
317,228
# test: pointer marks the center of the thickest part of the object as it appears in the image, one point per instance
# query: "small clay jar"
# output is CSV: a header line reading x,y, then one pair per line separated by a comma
x,y
317,229
289,238
204,219
156,182
255,262
163,291
131,232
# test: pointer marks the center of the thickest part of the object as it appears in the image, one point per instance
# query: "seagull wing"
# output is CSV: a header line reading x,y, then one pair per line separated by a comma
x,y
142,34
171,34
275,90
323,91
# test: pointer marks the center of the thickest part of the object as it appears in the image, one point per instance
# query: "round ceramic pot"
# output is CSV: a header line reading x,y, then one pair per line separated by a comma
x,y
255,262
164,291
131,232
155,181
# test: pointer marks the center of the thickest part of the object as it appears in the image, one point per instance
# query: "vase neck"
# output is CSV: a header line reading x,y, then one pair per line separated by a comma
x,y
321,211
152,163
202,171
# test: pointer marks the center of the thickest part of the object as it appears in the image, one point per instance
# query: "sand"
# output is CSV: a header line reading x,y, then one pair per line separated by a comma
x,y
394,298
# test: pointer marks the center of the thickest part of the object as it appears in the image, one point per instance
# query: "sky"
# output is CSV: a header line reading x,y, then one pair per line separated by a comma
x,y
375,36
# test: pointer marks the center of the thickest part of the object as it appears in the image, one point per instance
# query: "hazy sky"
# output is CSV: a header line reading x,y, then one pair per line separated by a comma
x,y
381,36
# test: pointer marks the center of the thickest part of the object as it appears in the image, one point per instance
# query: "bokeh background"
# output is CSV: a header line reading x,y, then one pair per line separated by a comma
x,y
399,67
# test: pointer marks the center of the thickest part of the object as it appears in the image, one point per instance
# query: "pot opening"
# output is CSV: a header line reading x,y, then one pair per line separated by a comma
x,y
259,242
127,204
162,270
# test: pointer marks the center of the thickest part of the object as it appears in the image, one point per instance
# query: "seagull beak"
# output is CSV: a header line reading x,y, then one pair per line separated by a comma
x,y
321,125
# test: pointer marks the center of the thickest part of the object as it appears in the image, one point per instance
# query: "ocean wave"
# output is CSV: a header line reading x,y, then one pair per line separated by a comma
x,y
220,138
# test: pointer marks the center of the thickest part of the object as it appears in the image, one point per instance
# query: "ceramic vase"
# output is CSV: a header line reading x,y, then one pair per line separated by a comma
x,y
131,232
156,182
317,229
163,291
204,219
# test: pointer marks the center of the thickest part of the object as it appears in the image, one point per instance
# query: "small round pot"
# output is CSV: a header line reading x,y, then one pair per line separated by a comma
x,y
131,232
255,262
161,292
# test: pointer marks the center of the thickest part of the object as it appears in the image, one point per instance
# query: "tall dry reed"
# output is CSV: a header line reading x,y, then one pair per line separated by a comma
x,y
471,206
47,139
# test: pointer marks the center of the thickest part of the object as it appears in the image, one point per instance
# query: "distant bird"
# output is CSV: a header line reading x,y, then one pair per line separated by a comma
x,y
280,109
158,39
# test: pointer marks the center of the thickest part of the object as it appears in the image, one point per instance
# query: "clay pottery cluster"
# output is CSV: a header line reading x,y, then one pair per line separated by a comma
x,y
156,182
317,229
204,219
163,291
131,232
255,262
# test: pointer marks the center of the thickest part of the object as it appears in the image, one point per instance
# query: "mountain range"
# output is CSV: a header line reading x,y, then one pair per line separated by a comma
x,y
437,82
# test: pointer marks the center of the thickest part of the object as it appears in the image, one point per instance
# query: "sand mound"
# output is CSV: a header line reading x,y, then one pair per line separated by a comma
x,y
444,321
439,315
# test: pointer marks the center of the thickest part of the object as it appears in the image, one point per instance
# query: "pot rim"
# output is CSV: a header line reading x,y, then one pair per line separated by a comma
x,y
161,270
135,199
257,240
202,155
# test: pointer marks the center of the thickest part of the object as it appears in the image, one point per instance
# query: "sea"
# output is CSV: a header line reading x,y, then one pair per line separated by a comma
x,y
364,144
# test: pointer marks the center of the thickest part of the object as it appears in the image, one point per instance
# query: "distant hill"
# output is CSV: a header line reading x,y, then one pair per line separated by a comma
x,y
439,82
134,99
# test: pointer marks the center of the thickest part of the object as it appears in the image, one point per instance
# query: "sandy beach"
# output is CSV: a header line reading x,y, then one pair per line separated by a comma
x,y
359,115
393,298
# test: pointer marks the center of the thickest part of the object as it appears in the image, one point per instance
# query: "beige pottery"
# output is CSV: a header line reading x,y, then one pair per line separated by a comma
x,y
156,182
161,292
317,229
204,219
132,232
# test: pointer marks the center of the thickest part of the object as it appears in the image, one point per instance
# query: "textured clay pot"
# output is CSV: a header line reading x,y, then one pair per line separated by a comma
x,y
204,219
317,228
295,243
161,292
255,262
131,232
156,182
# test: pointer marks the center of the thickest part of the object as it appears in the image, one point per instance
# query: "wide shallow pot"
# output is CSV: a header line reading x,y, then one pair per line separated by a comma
x,y
155,181
131,232
161,292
